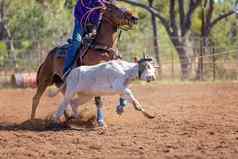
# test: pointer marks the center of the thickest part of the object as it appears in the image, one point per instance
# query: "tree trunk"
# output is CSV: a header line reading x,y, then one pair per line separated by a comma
x,y
155,34
174,29
185,60
155,39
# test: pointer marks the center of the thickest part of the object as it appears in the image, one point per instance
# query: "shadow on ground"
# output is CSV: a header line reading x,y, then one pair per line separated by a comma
x,y
46,125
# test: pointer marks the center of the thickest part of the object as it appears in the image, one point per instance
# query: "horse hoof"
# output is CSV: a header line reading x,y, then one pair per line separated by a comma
x,y
120,109
101,123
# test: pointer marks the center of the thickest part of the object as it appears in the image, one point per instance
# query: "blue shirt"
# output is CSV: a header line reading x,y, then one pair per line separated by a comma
x,y
81,9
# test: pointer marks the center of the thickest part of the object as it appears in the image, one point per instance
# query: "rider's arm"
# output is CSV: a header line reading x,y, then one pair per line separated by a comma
x,y
97,14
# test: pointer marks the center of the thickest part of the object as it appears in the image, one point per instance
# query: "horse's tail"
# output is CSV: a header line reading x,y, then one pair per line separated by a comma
x,y
42,64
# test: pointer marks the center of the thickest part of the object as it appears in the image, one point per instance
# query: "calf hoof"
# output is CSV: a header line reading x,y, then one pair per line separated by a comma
x,y
120,109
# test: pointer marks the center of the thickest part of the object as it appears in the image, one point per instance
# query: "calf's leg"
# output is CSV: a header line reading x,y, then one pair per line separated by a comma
x,y
127,94
63,105
76,102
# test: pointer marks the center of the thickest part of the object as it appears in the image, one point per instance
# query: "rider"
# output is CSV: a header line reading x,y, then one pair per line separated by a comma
x,y
85,12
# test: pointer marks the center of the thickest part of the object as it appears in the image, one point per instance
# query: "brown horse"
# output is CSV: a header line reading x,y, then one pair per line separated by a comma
x,y
105,46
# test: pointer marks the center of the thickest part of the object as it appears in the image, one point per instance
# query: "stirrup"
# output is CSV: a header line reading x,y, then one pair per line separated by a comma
x,y
65,75
68,71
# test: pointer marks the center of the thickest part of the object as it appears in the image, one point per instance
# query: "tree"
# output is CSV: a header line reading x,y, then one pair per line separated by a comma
x,y
5,33
176,29
27,27
208,23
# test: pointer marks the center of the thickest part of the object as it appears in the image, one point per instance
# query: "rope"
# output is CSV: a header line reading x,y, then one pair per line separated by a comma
x,y
89,12
87,15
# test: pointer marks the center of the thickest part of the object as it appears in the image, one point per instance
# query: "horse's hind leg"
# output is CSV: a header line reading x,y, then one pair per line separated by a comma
x,y
36,99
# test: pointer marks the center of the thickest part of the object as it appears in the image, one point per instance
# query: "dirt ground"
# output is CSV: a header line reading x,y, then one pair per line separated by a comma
x,y
193,121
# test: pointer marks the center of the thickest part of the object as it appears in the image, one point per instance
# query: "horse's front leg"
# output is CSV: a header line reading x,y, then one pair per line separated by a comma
x,y
100,113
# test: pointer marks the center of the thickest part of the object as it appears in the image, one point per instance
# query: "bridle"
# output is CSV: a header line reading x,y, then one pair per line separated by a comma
x,y
119,25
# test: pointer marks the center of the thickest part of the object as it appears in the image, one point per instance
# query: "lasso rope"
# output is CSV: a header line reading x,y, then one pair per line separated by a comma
x,y
84,20
87,15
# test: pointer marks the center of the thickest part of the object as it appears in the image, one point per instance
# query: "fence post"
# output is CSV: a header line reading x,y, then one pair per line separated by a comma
x,y
214,63
199,75
172,64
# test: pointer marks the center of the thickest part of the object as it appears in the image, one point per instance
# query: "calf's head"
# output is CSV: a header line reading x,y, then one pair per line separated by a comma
x,y
147,71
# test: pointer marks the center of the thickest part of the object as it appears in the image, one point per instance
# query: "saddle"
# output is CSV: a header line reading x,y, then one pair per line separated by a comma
x,y
62,50
87,43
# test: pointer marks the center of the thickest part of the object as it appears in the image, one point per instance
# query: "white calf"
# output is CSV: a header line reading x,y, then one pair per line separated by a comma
x,y
108,78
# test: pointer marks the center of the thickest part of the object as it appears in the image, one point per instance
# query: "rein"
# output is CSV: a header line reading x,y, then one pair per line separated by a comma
x,y
95,46
111,50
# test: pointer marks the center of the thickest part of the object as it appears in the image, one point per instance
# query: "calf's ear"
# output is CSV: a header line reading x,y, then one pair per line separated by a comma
x,y
136,59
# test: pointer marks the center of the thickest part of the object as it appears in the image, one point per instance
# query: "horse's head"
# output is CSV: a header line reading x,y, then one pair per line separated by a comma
x,y
119,16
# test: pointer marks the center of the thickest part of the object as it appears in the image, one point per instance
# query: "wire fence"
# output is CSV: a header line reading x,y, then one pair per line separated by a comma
x,y
213,68
214,63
